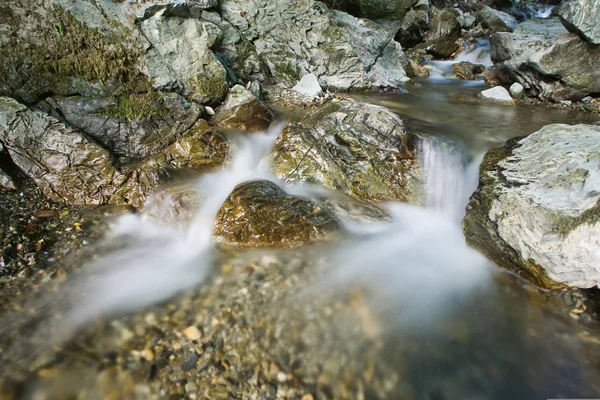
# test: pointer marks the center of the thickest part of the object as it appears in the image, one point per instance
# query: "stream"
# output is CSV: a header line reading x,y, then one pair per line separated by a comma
x,y
442,322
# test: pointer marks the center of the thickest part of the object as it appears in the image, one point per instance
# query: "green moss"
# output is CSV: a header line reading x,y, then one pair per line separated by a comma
x,y
566,224
288,71
212,85
137,106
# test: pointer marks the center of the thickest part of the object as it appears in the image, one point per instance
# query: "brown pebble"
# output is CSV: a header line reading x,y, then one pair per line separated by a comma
x,y
46,214
192,333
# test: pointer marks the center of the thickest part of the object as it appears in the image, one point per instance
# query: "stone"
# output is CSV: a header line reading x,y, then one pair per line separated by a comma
x,y
242,111
131,125
360,149
550,63
467,21
6,181
180,57
192,333
294,39
582,17
445,25
309,86
516,90
442,48
498,95
536,211
260,214
496,21
68,168
414,26
392,9
467,70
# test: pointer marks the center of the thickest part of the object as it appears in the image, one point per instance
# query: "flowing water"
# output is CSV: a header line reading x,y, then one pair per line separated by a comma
x,y
457,327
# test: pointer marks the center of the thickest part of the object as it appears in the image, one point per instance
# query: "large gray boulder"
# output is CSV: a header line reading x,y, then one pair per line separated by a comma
x,y
130,125
357,148
583,18
537,208
295,38
496,21
71,169
414,26
550,63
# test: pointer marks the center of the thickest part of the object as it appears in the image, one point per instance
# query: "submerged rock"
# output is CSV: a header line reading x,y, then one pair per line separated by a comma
x,y
242,111
583,18
497,94
537,208
467,70
548,62
360,149
260,214
496,21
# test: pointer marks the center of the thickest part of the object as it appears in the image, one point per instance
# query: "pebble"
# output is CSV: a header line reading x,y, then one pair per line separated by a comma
x,y
192,333
190,362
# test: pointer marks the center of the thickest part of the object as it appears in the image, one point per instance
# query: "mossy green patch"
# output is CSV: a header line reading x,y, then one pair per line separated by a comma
x,y
137,106
566,224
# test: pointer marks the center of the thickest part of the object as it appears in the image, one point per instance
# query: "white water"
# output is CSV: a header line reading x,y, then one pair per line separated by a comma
x,y
479,54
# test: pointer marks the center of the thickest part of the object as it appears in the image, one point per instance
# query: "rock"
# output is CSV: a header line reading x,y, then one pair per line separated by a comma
x,y
549,63
491,77
376,9
256,88
192,333
442,48
260,214
537,206
134,125
70,169
242,111
516,90
445,25
497,95
413,28
467,21
467,70
496,21
180,56
309,86
582,17
360,149
6,181
294,39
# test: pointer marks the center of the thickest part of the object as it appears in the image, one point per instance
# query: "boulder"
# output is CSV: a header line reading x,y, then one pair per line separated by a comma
x,y
445,25
582,17
309,86
242,111
550,63
414,26
134,125
496,21
360,149
297,38
442,48
467,70
70,169
392,9
497,94
537,208
260,214
180,56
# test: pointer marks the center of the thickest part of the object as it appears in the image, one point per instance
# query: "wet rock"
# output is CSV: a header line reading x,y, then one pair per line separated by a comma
x,y
260,214
496,21
414,26
131,125
309,86
242,111
180,56
442,48
360,149
467,70
516,90
497,94
582,17
6,181
375,9
69,168
467,21
536,209
256,88
294,39
549,64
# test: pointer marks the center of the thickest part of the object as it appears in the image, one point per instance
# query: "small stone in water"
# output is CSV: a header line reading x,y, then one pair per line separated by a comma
x,y
281,377
192,333
190,362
